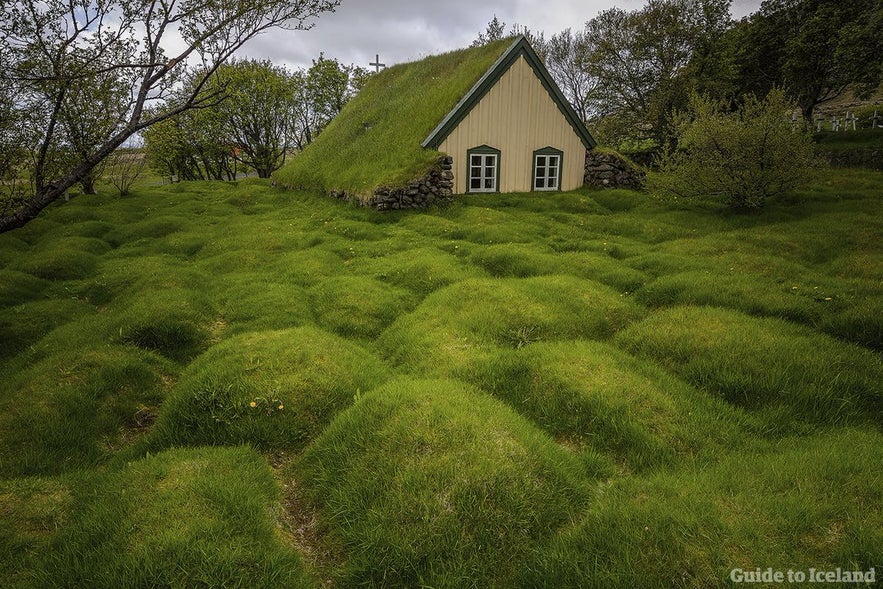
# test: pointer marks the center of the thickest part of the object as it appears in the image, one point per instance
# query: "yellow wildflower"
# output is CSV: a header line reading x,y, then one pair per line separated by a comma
x,y
281,406
253,404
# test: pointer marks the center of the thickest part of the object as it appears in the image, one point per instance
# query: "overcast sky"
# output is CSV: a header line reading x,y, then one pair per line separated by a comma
x,y
405,30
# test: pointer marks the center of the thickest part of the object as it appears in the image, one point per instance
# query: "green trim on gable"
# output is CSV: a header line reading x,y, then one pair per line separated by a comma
x,y
520,47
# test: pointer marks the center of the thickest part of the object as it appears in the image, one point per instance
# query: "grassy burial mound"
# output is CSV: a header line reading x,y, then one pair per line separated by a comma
x,y
271,389
213,384
375,141
435,483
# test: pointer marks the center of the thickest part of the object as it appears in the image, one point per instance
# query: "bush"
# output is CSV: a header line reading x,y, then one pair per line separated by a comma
x,y
742,157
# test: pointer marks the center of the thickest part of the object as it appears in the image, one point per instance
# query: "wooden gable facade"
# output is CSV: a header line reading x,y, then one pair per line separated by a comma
x,y
514,131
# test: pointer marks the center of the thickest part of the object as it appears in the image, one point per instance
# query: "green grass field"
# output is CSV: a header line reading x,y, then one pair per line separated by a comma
x,y
226,384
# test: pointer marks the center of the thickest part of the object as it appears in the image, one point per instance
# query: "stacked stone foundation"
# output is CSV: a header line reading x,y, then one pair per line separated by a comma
x,y
607,170
434,188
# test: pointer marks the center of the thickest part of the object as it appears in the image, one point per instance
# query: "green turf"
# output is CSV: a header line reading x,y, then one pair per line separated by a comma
x,y
588,389
271,389
432,483
183,518
402,105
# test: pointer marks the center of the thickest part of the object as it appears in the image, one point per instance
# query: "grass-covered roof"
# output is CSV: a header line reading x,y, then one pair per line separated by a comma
x,y
402,104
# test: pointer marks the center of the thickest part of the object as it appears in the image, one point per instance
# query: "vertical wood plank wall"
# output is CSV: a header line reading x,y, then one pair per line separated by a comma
x,y
517,116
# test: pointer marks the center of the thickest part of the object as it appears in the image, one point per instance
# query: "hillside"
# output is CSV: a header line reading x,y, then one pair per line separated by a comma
x,y
226,384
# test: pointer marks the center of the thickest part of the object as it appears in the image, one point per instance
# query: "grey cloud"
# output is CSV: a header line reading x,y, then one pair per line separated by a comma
x,y
405,30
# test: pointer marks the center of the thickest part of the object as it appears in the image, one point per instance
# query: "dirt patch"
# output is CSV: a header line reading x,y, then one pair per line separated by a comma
x,y
300,523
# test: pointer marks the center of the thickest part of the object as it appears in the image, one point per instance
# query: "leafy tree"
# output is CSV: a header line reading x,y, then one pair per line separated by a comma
x,y
742,157
49,48
815,49
257,114
640,60
566,56
90,112
265,111
13,153
192,146
320,94
493,32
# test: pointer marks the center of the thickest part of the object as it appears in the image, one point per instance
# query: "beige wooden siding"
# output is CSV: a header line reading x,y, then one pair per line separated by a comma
x,y
517,116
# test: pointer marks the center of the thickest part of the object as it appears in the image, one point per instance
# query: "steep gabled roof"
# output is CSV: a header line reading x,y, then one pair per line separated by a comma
x,y
376,140
519,48
401,104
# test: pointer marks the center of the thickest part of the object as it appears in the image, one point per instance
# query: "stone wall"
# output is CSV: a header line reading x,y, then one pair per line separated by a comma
x,y
437,186
871,158
608,170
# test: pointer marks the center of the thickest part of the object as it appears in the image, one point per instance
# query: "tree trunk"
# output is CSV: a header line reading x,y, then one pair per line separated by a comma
x,y
44,197
88,184
808,111
49,193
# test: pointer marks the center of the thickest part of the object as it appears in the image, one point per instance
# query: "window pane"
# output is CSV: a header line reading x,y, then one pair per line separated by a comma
x,y
489,184
476,160
541,161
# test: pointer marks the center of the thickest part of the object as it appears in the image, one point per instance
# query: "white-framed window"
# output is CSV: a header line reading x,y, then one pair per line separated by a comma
x,y
547,169
484,169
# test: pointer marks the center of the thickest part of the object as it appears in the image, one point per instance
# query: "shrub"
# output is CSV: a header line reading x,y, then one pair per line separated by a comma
x,y
123,168
742,158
